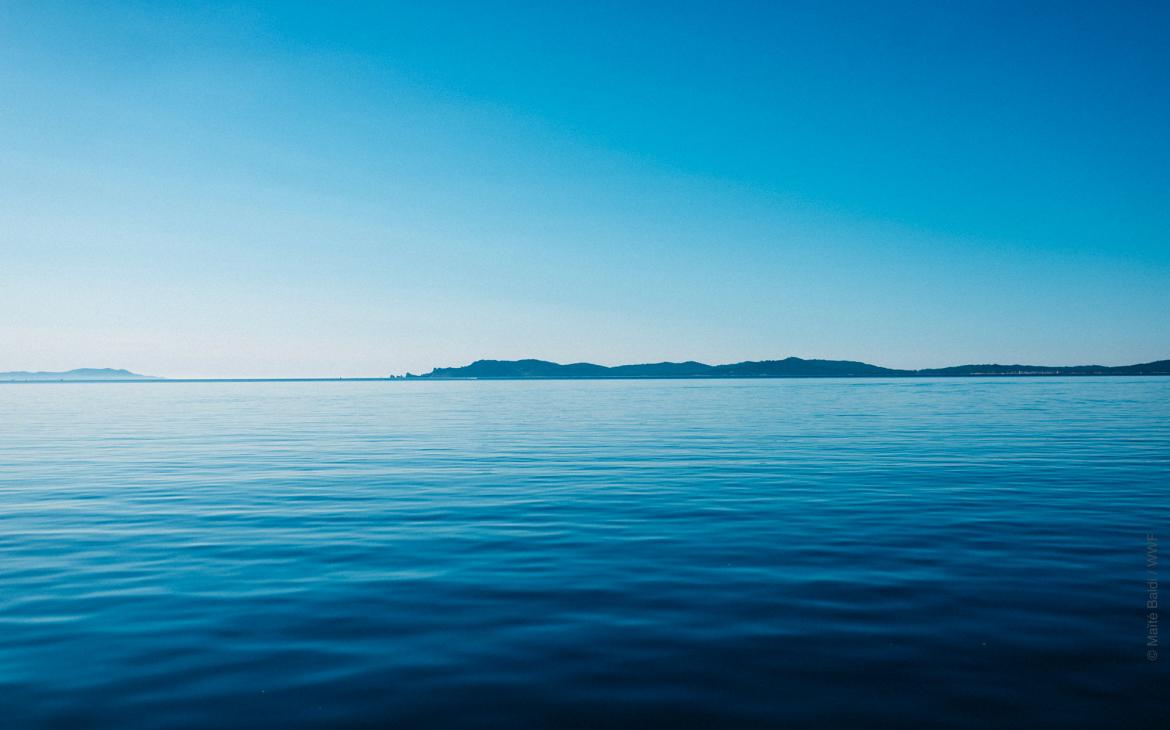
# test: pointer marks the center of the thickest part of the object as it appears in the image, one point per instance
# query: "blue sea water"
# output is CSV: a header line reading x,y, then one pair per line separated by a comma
x,y
583,554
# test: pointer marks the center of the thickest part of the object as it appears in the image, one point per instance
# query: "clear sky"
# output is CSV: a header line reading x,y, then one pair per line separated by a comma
x,y
326,189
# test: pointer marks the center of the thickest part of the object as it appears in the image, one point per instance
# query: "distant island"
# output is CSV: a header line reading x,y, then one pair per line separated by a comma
x,y
791,367
80,374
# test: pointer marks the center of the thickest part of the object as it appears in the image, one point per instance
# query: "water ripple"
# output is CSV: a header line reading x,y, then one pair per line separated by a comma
x,y
903,553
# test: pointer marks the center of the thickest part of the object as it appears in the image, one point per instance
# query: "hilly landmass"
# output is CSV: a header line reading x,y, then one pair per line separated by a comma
x,y
77,374
792,367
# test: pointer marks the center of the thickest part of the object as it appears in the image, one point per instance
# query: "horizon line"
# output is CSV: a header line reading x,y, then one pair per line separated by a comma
x,y
449,373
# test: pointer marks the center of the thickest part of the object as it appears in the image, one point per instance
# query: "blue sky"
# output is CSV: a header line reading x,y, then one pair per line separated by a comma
x,y
325,190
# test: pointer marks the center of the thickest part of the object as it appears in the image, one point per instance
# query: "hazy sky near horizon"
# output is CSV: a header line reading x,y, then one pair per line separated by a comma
x,y
318,189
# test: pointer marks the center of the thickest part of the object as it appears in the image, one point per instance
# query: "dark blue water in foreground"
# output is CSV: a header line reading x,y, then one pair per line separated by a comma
x,y
799,553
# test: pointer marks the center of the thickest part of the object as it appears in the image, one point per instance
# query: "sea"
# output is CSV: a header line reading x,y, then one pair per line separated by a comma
x,y
796,553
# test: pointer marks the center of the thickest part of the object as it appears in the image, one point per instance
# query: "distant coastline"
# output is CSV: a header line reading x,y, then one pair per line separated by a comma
x,y
78,374
792,367
530,369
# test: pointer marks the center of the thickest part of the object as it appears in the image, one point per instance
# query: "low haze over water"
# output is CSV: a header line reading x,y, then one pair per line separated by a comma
x,y
807,553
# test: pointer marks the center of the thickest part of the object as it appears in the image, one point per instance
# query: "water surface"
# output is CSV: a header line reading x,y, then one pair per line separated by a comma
x,y
798,553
